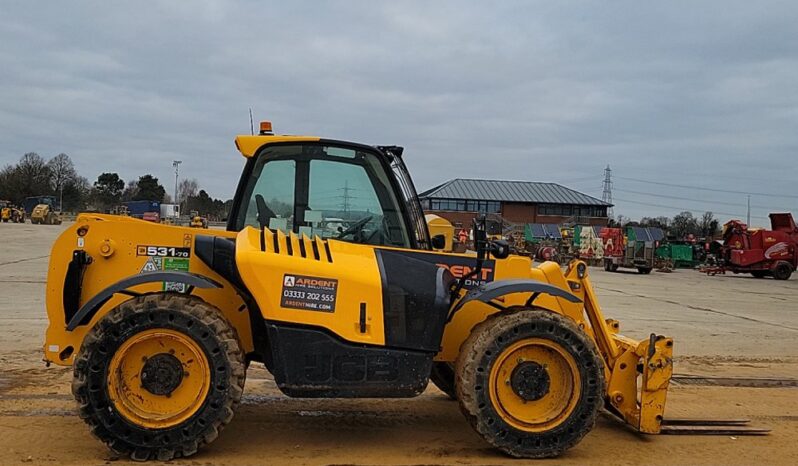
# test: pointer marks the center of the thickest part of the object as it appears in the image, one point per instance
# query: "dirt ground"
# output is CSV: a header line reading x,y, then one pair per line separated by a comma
x,y
736,357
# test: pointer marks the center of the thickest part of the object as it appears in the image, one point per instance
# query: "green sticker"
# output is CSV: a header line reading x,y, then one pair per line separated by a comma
x,y
175,264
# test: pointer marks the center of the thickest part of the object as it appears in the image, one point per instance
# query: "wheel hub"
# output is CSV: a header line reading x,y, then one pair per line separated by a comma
x,y
161,374
530,381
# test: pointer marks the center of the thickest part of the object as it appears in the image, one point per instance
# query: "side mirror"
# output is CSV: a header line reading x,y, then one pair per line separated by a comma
x,y
500,249
438,242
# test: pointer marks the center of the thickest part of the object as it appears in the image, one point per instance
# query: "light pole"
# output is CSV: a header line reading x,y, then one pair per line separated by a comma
x,y
176,164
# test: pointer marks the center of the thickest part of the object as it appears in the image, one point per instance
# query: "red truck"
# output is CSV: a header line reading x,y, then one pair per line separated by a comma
x,y
761,253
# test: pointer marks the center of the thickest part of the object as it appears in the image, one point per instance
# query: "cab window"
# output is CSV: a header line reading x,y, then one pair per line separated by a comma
x,y
329,191
274,187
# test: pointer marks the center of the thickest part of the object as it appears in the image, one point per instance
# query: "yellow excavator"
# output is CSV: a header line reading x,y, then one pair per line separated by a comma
x,y
161,322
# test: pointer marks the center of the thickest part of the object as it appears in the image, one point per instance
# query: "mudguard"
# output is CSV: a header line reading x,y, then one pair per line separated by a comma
x,y
87,311
489,291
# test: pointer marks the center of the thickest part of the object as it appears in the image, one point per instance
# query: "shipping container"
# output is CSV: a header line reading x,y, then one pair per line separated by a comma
x,y
139,208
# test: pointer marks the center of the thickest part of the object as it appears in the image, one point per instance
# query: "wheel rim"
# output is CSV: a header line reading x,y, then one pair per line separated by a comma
x,y
158,378
535,385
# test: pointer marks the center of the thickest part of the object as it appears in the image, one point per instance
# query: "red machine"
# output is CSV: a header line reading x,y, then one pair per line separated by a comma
x,y
761,253
613,241
632,248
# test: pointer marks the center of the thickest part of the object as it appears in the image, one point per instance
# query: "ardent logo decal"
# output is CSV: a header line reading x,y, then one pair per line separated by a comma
x,y
309,293
460,271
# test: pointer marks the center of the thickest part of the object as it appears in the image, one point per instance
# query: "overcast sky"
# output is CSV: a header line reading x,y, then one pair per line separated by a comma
x,y
695,93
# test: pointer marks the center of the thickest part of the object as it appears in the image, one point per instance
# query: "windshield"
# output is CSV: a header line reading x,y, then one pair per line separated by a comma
x,y
325,190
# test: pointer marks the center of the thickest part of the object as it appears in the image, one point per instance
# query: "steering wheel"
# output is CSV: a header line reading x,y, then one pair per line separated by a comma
x,y
355,228
264,212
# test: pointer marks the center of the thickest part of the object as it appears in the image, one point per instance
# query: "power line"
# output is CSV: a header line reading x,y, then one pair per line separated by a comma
x,y
685,208
667,196
707,189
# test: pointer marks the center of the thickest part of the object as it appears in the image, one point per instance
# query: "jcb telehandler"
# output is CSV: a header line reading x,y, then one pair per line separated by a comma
x,y
160,322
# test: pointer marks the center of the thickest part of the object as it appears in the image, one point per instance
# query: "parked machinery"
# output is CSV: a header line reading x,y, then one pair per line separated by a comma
x,y
762,253
44,214
197,221
680,254
5,211
634,250
17,214
32,201
11,213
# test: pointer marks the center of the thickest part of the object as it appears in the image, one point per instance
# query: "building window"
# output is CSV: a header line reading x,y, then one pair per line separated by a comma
x,y
462,205
572,210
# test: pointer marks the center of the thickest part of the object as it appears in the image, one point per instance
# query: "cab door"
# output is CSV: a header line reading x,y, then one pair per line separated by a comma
x,y
327,243
325,250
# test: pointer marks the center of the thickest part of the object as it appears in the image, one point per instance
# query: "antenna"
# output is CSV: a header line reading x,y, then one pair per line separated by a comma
x,y
251,122
606,196
748,215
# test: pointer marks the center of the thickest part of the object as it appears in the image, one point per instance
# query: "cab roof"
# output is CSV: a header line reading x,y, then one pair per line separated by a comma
x,y
249,145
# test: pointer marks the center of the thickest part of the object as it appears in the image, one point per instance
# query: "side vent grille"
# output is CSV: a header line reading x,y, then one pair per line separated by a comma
x,y
292,245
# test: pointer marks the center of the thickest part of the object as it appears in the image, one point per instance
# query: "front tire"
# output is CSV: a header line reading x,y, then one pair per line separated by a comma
x,y
782,271
159,376
530,382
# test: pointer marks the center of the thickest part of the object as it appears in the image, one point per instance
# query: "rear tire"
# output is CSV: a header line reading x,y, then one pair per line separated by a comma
x,y
782,271
181,398
442,375
644,270
530,382
613,267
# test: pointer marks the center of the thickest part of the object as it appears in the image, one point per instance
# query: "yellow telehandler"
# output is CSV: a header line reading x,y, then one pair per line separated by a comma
x,y
160,322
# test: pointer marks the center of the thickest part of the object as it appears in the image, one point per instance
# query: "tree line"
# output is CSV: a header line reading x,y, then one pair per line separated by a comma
x,y
33,175
680,226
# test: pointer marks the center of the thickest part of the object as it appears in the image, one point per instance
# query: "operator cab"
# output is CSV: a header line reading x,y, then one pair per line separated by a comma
x,y
331,189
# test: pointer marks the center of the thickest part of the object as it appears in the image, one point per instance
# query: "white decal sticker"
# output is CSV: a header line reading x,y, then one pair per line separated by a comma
x,y
153,264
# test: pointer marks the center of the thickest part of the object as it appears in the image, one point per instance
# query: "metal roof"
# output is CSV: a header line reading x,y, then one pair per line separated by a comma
x,y
510,191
